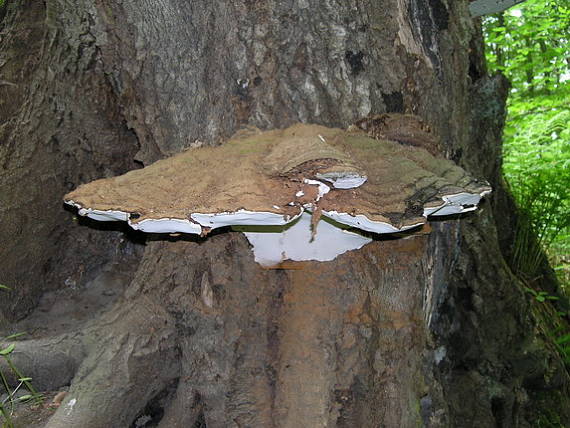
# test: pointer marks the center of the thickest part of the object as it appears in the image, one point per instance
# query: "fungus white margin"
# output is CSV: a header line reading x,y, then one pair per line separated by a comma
x,y
360,221
99,215
243,218
458,203
176,225
431,210
166,225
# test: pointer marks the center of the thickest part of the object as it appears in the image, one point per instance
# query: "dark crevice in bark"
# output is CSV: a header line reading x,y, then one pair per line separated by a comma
x,y
355,61
153,411
426,22
440,14
394,102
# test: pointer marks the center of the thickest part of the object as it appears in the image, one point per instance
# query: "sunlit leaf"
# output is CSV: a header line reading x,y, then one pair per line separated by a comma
x,y
25,397
8,350
14,336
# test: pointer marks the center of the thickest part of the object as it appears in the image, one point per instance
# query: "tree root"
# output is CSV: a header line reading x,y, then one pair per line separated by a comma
x,y
265,346
131,357
185,409
50,362
115,365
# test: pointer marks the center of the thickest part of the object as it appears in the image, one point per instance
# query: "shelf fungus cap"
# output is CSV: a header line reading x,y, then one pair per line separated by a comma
x,y
303,193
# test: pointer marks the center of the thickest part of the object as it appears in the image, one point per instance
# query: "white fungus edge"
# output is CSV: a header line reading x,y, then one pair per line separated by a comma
x,y
99,215
362,222
457,203
243,218
166,225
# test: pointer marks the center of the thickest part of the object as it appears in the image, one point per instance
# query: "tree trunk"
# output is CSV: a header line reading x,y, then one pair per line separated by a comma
x,y
432,330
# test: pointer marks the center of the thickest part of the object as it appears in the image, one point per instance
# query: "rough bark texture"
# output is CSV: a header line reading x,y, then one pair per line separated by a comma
x,y
433,330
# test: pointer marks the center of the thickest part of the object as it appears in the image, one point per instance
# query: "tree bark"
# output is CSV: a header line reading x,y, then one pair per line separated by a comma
x,y
434,330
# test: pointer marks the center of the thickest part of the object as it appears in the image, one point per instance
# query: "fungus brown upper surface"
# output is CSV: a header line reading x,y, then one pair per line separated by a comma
x,y
270,178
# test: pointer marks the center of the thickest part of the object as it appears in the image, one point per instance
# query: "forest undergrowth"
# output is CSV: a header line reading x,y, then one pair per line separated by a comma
x,y
529,44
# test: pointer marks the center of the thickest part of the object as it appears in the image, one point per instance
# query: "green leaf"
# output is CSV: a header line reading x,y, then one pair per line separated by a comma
x,y
25,397
8,350
14,336
3,287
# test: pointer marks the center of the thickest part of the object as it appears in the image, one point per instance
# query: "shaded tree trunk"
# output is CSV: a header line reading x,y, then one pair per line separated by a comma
x,y
433,330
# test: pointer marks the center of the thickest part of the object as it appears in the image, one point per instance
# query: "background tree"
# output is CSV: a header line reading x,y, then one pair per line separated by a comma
x,y
434,330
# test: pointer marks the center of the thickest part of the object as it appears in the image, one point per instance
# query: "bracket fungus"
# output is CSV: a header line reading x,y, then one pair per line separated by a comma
x,y
307,192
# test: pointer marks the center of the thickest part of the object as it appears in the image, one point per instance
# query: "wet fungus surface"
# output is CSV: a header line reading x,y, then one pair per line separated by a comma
x,y
300,193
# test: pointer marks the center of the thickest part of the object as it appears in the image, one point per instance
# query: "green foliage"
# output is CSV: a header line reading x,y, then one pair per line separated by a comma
x,y
556,329
7,405
530,45
537,168
563,344
541,296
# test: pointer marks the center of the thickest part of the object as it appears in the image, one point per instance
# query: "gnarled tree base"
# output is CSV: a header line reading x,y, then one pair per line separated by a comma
x,y
221,340
243,352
